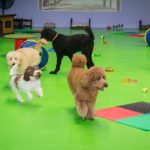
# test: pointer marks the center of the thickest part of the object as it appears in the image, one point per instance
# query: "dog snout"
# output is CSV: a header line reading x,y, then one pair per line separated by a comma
x,y
13,64
105,85
38,74
40,53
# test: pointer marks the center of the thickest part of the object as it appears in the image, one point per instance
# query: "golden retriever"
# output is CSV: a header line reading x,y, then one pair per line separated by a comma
x,y
25,57
85,85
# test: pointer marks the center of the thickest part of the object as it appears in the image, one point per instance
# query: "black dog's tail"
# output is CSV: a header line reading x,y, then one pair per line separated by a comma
x,y
90,32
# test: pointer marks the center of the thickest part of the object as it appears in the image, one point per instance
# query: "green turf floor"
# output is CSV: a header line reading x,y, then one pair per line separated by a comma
x,y
51,122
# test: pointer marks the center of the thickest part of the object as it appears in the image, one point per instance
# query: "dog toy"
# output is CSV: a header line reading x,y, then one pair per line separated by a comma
x,y
128,80
133,81
109,69
105,42
145,90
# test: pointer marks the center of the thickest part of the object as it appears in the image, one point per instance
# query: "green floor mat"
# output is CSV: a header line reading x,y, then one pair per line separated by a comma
x,y
141,122
52,123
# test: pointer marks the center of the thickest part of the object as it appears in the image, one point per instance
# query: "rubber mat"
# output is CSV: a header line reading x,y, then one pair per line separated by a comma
x,y
140,122
141,107
137,35
115,113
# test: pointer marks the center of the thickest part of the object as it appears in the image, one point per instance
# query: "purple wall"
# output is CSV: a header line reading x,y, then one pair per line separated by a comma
x,y
129,15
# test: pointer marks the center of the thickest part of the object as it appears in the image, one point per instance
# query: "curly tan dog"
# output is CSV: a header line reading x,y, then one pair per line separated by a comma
x,y
85,85
25,57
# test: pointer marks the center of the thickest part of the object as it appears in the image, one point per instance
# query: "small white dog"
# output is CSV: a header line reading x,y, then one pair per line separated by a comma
x,y
27,82
25,57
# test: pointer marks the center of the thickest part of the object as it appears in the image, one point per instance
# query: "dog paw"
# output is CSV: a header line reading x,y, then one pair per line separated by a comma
x,y
83,118
40,53
91,118
53,72
21,101
19,98
40,94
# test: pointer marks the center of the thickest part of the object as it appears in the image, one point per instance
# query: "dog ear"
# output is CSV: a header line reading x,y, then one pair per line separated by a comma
x,y
36,67
21,60
8,56
84,82
27,73
26,76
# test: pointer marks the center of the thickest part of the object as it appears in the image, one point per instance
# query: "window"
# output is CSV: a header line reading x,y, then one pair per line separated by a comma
x,y
90,5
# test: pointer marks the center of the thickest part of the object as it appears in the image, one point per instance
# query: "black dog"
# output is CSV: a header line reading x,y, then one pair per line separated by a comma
x,y
65,45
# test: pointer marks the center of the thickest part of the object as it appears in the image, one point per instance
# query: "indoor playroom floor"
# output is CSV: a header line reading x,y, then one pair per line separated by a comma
x,y
51,122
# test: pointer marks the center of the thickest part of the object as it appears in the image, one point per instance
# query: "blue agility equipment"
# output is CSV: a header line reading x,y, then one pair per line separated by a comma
x,y
147,37
44,53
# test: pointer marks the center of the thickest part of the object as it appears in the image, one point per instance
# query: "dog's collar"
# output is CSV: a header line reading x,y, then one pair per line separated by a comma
x,y
54,37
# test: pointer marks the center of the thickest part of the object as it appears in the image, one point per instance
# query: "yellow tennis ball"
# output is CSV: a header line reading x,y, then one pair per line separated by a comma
x,y
145,90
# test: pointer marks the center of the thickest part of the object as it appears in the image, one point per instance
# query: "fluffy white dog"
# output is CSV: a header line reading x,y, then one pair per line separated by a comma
x,y
25,57
27,82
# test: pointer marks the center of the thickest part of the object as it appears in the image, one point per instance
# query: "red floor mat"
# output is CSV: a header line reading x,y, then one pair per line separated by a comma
x,y
115,113
137,35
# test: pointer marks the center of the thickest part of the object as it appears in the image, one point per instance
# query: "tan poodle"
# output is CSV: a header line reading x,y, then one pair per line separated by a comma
x,y
85,85
25,57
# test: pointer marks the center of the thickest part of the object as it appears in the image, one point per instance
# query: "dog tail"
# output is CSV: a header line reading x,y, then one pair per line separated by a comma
x,y
90,32
79,61
40,43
